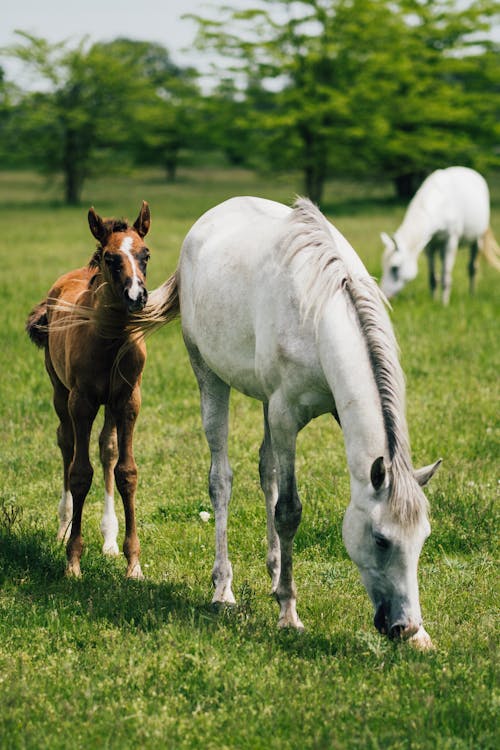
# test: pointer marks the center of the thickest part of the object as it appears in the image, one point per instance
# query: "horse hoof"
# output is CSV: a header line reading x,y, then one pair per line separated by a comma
x,y
220,607
292,622
110,549
135,573
421,640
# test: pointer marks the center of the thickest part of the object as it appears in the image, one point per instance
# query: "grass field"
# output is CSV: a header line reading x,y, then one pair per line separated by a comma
x,y
103,662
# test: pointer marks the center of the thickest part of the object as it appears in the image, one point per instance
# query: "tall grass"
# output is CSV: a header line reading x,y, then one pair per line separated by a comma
x,y
104,662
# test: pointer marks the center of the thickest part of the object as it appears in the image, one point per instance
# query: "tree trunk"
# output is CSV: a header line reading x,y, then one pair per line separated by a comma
x,y
315,168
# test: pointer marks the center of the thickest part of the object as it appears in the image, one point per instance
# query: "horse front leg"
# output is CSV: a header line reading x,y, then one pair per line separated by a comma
x,y
269,484
83,412
449,256
431,259
125,415
288,511
108,449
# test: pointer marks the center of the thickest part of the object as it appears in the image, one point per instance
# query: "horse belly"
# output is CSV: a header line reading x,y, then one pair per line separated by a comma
x,y
468,206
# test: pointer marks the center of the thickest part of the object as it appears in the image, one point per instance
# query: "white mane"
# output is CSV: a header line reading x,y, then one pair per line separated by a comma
x,y
325,272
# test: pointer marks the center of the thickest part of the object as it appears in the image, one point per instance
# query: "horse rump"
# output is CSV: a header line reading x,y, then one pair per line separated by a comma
x,y
37,325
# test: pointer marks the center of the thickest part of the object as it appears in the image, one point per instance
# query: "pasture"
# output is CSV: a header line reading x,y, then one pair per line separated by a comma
x,y
105,662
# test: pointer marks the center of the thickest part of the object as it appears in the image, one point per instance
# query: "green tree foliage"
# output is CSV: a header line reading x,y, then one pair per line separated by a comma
x,y
384,86
91,107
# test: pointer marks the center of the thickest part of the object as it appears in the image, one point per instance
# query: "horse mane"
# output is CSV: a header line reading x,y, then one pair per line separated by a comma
x,y
326,273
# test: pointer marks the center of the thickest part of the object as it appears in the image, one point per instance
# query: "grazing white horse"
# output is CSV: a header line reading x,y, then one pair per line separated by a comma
x,y
451,205
275,303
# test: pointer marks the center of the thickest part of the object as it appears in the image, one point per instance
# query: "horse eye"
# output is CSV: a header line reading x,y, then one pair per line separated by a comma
x,y
395,272
381,541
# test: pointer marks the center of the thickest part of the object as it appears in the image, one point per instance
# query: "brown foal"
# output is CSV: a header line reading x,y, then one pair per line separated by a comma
x,y
83,324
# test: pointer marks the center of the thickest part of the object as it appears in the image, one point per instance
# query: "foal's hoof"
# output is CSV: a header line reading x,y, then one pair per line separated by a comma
x,y
421,640
73,570
135,573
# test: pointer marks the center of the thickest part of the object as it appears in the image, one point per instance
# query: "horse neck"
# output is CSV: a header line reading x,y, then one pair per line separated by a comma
x,y
346,364
417,227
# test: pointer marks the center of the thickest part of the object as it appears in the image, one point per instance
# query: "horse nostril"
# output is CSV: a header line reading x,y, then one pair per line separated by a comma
x,y
396,631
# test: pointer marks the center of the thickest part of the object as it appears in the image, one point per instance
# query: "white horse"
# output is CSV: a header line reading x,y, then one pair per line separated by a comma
x,y
451,205
276,303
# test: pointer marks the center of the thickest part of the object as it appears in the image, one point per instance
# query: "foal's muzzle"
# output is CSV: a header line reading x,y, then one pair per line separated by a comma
x,y
137,304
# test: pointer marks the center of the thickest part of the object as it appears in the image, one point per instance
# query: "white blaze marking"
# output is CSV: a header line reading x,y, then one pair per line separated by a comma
x,y
135,288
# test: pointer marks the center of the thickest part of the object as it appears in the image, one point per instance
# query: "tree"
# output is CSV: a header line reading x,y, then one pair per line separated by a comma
x,y
84,109
365,85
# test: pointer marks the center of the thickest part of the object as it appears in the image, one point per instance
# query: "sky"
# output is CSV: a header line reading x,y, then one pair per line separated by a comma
x,y
103,20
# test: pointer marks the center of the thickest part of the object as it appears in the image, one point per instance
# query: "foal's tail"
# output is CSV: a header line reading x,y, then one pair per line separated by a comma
x,y
37,325
490,249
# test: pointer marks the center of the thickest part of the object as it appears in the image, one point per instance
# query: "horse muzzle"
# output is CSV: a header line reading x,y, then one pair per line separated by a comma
x,y
399,629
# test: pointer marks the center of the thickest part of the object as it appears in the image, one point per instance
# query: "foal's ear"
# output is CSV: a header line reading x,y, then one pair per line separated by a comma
x,y
377,473
96,225
426,473
143,221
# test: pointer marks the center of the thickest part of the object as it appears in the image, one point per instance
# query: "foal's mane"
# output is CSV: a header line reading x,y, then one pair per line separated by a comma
x,y
326,273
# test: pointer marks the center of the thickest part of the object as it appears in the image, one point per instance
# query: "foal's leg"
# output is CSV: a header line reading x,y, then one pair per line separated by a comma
x,y
449,255
65,442
288,510
269,484
83,412
125,416
108,448
472,268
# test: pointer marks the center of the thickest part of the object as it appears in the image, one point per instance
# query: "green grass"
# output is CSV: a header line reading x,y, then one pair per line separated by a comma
x,y
104,662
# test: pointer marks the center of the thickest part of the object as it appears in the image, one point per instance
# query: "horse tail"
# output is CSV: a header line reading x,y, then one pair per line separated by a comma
x,y
162,307
37,325
490,249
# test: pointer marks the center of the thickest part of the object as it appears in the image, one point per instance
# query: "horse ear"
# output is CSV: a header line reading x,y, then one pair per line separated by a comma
x,y
426,473
96,225
377,473
388,241
143,221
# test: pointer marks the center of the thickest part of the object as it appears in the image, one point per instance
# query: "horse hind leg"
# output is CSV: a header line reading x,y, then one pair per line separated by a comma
x,y
214,396
269,484
472,267
108,449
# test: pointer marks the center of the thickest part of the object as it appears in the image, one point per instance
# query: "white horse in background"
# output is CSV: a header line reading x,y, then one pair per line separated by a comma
x,y
451,205
275,303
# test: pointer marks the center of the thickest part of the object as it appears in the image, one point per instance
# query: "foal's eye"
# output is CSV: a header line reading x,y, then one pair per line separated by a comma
x,y
395,272
381,541
113,262
142,259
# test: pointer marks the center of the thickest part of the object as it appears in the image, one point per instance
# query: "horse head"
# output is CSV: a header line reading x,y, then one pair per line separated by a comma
x,y
386,547
122,256
398,267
